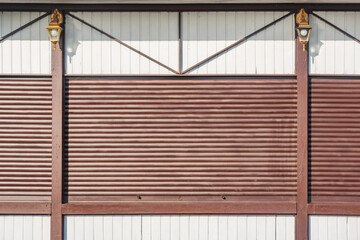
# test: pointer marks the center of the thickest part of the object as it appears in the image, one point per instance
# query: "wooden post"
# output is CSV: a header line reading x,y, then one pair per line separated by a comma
x,y
57,141
301,69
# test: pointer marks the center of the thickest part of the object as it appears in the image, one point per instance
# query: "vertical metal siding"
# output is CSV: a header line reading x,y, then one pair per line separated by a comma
x,y
27,51
156,34
268,52
24,227
334,131
172,139
153,33
330,51
334,227
179,227
25,139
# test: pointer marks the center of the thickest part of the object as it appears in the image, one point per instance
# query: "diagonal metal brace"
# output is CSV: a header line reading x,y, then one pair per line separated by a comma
x,y
337,28
235,44
24,26
123,43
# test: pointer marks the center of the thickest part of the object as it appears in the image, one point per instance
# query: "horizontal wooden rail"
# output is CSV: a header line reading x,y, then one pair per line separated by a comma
x,y
182,76
25,208
334,209
180,207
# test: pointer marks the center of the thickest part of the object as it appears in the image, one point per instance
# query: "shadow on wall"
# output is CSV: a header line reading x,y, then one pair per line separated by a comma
x,y
314,48
72,43
330,45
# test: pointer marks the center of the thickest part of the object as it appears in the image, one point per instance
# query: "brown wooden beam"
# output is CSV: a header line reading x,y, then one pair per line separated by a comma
x,y
334,76
180,42
57,141
181,7
301,69
25,208
187,76
334,209
180,207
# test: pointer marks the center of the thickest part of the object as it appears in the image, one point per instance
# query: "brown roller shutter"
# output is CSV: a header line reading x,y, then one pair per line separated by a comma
x,y
335,140
25,139
180,139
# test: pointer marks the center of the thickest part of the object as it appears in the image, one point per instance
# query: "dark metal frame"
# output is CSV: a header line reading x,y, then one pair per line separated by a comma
x,y
301,208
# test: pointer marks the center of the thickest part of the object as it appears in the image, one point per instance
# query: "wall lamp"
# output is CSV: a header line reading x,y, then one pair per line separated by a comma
x,y
303,29
54,28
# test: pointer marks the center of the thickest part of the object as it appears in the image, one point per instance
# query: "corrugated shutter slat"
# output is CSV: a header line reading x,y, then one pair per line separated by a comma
x,y
334,143
180,139
25,139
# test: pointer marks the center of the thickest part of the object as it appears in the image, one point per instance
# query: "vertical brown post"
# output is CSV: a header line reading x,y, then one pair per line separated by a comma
x,y
180,42
57,146
301,69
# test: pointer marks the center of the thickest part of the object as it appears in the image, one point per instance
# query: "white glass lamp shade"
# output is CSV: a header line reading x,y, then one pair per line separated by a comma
x,y
54,34
304,33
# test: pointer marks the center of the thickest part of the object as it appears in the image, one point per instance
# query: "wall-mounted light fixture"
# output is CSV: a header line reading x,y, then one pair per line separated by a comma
x,y
54,28
303,29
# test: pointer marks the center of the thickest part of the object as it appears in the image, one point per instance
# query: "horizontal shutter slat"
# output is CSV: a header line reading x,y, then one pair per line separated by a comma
x,y
25,139
187,139
334,140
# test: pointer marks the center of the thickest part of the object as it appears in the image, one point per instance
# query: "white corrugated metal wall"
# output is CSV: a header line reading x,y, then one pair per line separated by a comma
x,y
27,51
24,227
334,228
268,52
90,52
179,227
157,33
330,51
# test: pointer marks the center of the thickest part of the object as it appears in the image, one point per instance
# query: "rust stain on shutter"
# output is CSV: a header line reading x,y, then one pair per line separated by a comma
x,y
180,139
25,139
335,140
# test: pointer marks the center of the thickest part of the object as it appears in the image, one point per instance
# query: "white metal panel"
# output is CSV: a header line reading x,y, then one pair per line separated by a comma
x,y
268,52
156,34
24,227
330,51
334,227
179,227
27,51
153,33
